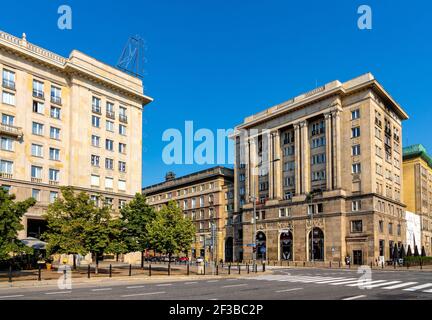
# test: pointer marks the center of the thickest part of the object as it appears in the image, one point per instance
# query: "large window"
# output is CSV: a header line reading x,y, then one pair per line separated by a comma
x,y
96,105
8,79
109,164
54,175
36,172
95,160
37,150
38,89
8,98
110,126
6,144
122,147
357,226
55,133
55,95
8,119
6,167
37,128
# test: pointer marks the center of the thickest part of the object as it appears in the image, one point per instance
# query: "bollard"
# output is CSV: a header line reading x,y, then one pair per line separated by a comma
x,y
349,265
10,273
150,270
394,265
222,264
217,269
64,275
110,271
187,268
130,270
304,263
169,269
295,264
339,264
330,264
371,265
382,265
288,263
256,267
421,264
39,273
247,267
407,265
263,267
204,269
281,263
229,268
239,269
88,271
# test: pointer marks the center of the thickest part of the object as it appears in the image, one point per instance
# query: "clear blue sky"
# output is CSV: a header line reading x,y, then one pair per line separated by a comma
x,y
215,62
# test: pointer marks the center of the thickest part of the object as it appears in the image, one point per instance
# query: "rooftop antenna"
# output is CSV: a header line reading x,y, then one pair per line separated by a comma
x,y
132,58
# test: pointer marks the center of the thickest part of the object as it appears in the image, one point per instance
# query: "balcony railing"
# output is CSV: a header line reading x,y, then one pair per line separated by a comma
x,y
56,100
123,118
11,130
36,180
96,109
8,84
53,182
110,114
6,175
38,94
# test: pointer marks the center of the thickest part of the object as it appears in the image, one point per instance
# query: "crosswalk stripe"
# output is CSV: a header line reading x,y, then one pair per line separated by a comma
x,y
405,284
336,280
345,282
428,291
382,284
427,285
365,283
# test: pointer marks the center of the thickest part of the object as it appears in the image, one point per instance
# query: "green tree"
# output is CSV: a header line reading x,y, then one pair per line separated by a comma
x,y
11,213
170,232
76,225
136,215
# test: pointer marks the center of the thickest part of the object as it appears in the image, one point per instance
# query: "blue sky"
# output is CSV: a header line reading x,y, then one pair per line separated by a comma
x,y
216,62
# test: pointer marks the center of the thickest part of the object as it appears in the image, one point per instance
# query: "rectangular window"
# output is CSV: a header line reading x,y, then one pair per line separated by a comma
x,y
53,196
356,168
390,228
6,144
122,148
355,114
36,194
357,226
122,185
8,79
8,98
54,154
55,112
96,105
95,141
37,150
122,114
110,126
109,144
36,172
356,150
381,226
95,122
8,119
95,160
55,95
54,175
6,167
355,132
37,128
38,107
109,164
95,182
55,133
122,203
38,89
122,166
109,183
356,205
122,129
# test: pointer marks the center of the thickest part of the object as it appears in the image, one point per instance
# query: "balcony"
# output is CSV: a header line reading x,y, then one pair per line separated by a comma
x,y
56,100
110,114
53,182
123,118
36,180
8,84
38,94
96,109
5,175
9,130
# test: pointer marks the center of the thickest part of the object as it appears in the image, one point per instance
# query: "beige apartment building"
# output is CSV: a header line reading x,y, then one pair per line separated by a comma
x,y
207,198
67,122
417,179
324,169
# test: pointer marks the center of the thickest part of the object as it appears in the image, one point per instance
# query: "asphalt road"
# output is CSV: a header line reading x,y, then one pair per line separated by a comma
x,y
283,284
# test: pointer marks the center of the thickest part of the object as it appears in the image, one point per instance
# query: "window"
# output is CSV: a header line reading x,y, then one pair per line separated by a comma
x,y
110,126
355,132
318,175
95,141
122,203
54,154
109,144
201,201
122,147
109,182
54,175
122,185
357,226
95,160
122,129
110,110
356,205
122,114
37,150
8,119
55,95
355,150
185,204
38,107
36,172
36,194
53,196
390,228
355,114
193,203
283,212
95,199
122,166
398,229
37,128
96,105
6,167
38,89
356,168
318,142
8,98
55,112
109,164
6,144
8,79
95,180
55,133
381,226
95,122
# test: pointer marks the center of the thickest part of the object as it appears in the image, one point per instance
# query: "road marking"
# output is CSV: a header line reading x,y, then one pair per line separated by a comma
x,y
15,296
422,286
60,292
346,282
164,285
355,297
428,291
406,284
336,280
191,282
102,289
143,294
287,290
365,283
135,287
235,285
213,281
231,279
381,284
213,299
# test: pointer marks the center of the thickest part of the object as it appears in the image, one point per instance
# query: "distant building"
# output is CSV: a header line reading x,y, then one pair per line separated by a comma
x,y
206,197
417,179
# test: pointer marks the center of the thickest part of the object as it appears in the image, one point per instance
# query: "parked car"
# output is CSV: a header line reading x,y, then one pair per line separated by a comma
x,y
183,259
166,259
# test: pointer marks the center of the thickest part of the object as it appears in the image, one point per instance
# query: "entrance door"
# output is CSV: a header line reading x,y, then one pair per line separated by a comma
x,y
358,257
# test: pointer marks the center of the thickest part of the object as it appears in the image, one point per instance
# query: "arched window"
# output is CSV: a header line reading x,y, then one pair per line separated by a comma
x,y
261,249
286,246
316,246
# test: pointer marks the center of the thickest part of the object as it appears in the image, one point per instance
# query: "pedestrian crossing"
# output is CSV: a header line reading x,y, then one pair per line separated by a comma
x,y
392,284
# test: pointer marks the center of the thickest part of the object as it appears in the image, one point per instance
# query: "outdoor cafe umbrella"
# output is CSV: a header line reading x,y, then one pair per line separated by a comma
x,y
34,243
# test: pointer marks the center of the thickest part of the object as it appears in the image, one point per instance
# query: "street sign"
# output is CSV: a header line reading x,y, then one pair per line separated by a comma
x,y
250,245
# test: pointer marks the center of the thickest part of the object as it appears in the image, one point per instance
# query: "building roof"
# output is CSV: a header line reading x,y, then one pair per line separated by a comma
x,y
417,151
189,179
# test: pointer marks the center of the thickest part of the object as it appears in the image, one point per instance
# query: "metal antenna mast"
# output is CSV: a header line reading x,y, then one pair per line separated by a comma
x,y
132,58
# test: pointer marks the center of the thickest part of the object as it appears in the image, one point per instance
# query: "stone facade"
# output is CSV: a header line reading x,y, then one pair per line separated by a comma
x,y
330,159
65,120
206,197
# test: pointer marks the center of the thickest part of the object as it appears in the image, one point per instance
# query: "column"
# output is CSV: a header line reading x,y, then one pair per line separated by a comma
x,y
329,153
337,167
271,164
298,165
253,170
277,169
246,159
305,158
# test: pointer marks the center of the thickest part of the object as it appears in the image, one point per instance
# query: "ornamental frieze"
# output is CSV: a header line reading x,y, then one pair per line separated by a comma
x,y
316,223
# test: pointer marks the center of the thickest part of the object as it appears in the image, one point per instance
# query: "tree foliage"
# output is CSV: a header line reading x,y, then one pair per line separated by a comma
x,y
11,213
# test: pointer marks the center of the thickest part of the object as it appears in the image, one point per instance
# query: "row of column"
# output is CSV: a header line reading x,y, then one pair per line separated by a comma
x,y
302,158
